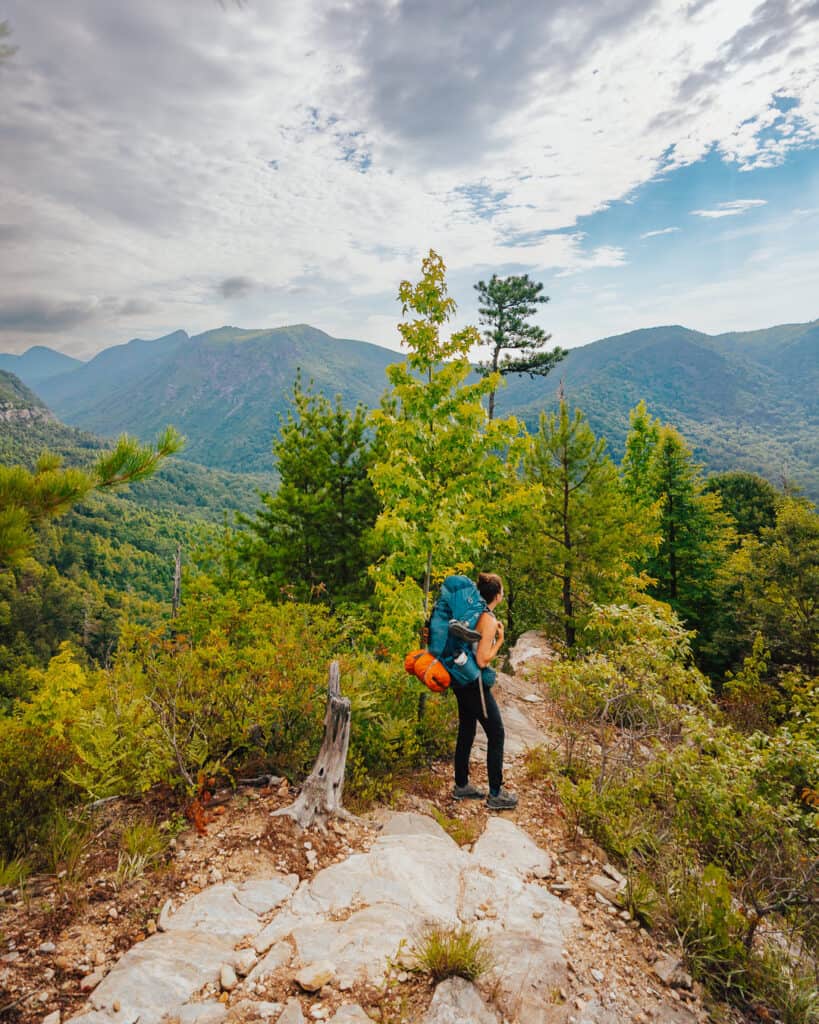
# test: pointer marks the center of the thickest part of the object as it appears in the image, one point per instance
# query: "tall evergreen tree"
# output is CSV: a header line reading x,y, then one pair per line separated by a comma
x,y
310,536
695,533
505,305
441,466
583,532
750,499
641,445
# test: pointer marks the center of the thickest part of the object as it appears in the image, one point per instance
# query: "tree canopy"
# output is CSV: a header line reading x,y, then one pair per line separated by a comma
x,y
505,305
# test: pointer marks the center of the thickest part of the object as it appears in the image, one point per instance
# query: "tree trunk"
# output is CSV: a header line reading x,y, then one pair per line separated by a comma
x,y
568,605
320,796
422,696
177,581
491,410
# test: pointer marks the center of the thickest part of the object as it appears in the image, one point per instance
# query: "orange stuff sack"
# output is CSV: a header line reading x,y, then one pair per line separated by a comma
x,y
428,669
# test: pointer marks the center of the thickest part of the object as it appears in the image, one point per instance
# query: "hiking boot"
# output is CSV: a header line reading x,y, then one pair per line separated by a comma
x,y
468,792
504,801
463,632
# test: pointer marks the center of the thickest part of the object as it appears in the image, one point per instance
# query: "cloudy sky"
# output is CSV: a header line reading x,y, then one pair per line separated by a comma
x,y
190,163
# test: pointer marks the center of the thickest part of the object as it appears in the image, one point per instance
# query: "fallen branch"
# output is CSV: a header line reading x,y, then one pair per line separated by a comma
x,y
101,802
321,794
262,781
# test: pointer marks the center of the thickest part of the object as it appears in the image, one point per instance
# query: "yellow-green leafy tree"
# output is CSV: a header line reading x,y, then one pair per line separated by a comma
x,y
442,470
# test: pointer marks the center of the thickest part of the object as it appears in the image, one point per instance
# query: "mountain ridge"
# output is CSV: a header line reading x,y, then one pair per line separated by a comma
x,y
745,400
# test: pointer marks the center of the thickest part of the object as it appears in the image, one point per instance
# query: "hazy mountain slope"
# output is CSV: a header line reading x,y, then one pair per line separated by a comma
x,y
736,411
38,364
113,375
14,394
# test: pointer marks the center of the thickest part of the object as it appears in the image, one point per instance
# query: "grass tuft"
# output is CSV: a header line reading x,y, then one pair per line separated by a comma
x,y
13,873
463,832
141,846
451,952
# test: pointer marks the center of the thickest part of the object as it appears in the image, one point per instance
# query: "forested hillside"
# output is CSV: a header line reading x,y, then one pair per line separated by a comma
x,y
224,389
112,555
745,401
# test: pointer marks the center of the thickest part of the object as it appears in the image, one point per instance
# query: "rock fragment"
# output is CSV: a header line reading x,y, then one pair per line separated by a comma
x,y
313,976
227,978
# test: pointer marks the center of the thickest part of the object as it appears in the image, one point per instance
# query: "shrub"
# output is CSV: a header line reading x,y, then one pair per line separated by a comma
x,y
710,928
33,784
386,736
717,828
540,763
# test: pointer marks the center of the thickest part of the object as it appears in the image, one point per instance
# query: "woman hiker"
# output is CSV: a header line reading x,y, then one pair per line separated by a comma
x,y
474,707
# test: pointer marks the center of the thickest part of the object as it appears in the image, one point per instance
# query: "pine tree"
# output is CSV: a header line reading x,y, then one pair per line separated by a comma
x,y
28,499
750,499
441,467
309,537
583,534
641,444
505,306
695,533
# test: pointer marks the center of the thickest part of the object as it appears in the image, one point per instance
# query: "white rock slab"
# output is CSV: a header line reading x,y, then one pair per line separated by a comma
x,y
279,928
278,956
360,945
160,974
532,649
216,911
408,823
527,975
261,895
417,872
357,914
503,844
457,1001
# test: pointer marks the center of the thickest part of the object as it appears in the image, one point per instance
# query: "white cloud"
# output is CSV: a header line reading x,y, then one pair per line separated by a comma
x,y
734,208
659,231
317,151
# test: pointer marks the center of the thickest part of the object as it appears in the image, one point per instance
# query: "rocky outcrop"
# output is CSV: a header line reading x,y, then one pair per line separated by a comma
x,y
353,917
12,414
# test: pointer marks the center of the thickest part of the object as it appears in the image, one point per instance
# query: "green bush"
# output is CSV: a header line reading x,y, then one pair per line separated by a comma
x,y
710,928
33,784
716,827
386,736
233,682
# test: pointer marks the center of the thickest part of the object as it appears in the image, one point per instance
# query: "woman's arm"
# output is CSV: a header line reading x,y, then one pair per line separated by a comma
x,y
491,641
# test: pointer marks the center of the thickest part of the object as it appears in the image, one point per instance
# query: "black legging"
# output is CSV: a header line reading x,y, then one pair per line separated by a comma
x,y
470,713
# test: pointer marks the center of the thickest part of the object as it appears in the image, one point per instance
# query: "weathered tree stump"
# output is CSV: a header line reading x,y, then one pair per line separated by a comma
x,y
321,794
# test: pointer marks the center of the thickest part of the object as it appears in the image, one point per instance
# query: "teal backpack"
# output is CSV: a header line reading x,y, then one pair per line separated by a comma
x,y
459,602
